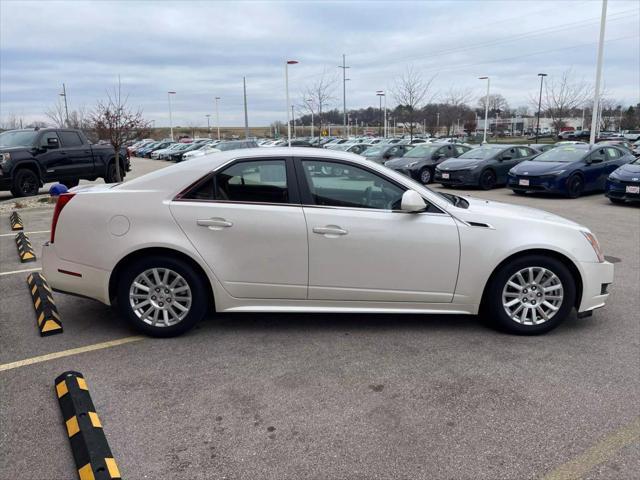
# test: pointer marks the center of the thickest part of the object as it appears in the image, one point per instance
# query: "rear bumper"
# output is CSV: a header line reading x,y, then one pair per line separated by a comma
x,y
74,278
596,280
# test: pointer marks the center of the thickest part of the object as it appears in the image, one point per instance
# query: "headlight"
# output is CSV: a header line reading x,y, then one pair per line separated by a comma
x,y
412,164
556,172
591,238
4,158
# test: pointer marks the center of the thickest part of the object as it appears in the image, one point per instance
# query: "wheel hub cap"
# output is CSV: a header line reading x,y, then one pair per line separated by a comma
x,y
532,296
160,297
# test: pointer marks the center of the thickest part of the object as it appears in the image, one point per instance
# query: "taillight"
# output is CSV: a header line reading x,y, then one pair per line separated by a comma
x,y
60,204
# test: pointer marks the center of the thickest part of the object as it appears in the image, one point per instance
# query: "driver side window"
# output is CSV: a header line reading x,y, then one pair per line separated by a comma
x,y
340,185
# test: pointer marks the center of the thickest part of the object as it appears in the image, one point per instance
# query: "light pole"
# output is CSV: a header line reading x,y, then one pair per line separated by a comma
x,y
208,126
380,93
217,117
293,121
66,107
541,75
486,108
286,86
344,91
310,103
170,119
438,124
246,114
596,95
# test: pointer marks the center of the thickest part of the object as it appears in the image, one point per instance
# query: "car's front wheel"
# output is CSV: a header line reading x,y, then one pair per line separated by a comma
x,y
426,176
487,180
26,183
575,186
530,295
162,296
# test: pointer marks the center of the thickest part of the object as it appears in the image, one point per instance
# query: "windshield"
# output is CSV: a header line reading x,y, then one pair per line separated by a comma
x,y
422,151
18,138
374,151
562,154
481,153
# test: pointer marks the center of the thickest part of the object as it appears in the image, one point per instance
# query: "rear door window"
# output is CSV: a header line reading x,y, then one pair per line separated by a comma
x,y
70,139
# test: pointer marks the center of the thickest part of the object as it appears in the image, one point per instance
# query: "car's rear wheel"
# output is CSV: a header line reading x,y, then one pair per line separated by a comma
x,y
575,186
162,296
530,295
487,180
26,183
426,175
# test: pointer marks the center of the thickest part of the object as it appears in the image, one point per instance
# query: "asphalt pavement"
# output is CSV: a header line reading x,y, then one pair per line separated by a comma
x,y
275,396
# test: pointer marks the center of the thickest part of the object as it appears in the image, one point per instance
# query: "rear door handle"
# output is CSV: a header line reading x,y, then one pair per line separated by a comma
x,y
215,223
330,231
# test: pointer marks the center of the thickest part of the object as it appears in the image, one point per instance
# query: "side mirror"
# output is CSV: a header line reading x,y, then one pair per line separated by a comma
x,y
412,202
506,157
438,156
52,143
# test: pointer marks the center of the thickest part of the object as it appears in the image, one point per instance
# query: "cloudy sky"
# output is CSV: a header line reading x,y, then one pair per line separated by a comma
x,y
202,49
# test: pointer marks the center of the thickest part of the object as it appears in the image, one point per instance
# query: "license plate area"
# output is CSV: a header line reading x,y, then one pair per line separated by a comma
x,y
445,175
523,182
632,189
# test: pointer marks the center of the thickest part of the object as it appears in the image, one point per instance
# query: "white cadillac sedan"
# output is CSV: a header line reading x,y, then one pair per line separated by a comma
x,y
315,230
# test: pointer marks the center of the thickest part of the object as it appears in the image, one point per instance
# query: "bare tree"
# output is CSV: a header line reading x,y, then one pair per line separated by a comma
x,y
496,103
321,94
57,115
412,91
113,120
561,95
11,122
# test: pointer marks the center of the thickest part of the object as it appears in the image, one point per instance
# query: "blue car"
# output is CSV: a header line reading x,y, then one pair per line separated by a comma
x,y
568,170
624,183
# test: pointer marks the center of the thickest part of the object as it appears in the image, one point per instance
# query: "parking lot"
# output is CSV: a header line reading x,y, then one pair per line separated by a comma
x,y
333,396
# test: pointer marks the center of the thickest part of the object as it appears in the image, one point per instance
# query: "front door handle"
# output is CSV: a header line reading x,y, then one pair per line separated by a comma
x,y
215,223
330,231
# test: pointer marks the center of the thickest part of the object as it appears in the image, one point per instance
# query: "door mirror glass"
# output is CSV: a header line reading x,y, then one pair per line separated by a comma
x,y
412,201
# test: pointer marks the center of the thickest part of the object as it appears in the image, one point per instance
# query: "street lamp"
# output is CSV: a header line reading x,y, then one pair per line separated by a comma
x,y
170,119
541,75
380,93
217,116
286,86
66,108
208,126
486,108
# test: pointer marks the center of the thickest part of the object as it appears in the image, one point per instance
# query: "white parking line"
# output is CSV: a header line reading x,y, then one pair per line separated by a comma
x,y
68,353
26,233
21,271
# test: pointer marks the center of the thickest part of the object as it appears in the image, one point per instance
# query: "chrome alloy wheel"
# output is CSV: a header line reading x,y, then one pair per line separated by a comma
x,y
532,296
160,297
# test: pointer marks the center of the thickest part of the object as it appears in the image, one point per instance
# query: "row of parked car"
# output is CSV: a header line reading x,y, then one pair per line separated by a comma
x,y
569,168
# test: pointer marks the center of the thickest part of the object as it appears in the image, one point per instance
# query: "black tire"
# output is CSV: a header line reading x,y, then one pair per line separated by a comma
x,y
617,201
70,182
199,295
425,176
487,180
575,186
110,177
496,313
520,192
26,183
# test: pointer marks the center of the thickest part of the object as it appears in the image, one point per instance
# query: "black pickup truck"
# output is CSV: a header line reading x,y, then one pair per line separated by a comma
x,y
32,157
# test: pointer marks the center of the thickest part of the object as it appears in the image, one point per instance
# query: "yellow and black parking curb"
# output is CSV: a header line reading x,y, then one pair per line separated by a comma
x,y
16,221
91,451
46,312
25,250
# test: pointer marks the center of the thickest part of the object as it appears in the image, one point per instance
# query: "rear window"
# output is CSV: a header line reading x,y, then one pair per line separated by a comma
x,y
70,139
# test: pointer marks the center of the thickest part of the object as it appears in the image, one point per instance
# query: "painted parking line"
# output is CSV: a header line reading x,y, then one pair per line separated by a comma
x,y
27,233
601,452
70,352
26,270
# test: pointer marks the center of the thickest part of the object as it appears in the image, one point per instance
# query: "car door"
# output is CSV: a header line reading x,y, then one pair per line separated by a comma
x,y
594,170
506,160
361,248
246,222
51,156
80,159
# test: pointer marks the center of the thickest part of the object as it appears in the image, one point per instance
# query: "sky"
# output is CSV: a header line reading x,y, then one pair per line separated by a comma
x,y
202,49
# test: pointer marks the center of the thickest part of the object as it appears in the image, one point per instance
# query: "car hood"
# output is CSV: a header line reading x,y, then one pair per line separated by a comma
x,y
457,163
627,170
492,212
532,167
13,149
403,161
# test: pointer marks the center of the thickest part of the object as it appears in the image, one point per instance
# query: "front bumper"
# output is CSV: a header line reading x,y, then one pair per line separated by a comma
x,y
457,177
535,184
618,190
596,280
79,280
